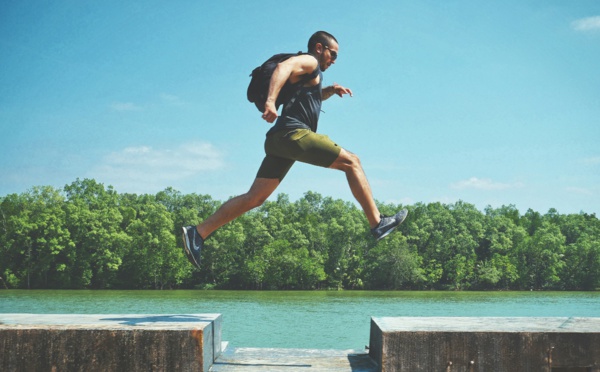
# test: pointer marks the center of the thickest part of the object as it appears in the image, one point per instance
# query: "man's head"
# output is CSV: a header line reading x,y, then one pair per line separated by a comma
x,y
324,47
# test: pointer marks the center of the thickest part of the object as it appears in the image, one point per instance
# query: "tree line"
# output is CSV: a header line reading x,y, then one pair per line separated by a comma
x,y
89,236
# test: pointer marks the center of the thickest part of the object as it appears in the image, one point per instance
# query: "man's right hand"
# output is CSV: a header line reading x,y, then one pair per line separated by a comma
x,y
270,113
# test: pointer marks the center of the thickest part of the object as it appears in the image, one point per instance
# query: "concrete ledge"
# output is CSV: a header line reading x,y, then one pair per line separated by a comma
x,y
486,344
109,342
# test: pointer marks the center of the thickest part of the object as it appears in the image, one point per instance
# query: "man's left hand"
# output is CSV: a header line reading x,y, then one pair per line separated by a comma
x,y
340,90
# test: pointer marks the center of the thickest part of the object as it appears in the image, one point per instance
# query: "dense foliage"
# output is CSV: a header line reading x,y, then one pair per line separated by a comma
x,y
89,236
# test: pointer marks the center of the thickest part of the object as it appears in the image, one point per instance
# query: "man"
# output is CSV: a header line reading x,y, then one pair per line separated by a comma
x,y
294,138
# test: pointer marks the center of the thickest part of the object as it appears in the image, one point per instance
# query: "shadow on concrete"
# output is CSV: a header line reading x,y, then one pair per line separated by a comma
x,y
361,362
137,320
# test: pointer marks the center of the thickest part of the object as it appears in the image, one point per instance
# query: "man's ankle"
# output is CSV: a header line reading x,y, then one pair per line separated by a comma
x,y
199,232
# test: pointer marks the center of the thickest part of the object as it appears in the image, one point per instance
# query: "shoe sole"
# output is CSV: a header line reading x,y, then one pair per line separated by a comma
x,y
393,228
186,248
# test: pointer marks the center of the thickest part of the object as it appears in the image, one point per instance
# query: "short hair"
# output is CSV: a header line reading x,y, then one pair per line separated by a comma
x,y
322,37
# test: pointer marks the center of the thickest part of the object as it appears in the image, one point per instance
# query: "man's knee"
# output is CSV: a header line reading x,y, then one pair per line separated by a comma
x,y
256,200
347,162
355,160
260,191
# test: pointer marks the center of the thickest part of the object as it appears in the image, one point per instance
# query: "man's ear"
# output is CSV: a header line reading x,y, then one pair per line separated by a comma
x,y
319,48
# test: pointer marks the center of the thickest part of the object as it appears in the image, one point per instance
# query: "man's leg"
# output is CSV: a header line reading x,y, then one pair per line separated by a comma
x,y
272,170
318,149
260,190
349,163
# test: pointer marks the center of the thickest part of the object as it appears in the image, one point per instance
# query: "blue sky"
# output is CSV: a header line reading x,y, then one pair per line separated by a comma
x,y
492,103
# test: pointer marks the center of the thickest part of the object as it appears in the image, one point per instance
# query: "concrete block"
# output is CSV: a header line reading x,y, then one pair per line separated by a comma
x,y
109,342
485,344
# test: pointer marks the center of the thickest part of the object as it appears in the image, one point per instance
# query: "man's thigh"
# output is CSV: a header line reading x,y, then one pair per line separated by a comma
x,y
274,167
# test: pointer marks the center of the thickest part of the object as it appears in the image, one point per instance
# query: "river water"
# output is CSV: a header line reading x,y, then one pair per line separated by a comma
x,y
302,319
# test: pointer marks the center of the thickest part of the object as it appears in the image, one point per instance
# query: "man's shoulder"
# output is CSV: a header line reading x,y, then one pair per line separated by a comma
x,y
304,60
304,65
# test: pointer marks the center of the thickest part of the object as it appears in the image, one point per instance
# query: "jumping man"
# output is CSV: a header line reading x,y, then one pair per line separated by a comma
x,y
294,138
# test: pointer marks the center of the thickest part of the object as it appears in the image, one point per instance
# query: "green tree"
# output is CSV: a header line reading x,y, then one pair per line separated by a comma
x,y
582,252
153,260
188,209
440,247
346,237
468,232
95,222
253,268
37,248
282,266
392,265
541,258
89,236
223,255
497,259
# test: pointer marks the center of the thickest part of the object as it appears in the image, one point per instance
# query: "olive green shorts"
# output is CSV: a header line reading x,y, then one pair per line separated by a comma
x,y
285,147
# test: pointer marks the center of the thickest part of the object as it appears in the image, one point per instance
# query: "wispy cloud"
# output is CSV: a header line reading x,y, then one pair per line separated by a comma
x,y
125,106
171,99
164,99
587,24
594,160
484,184
580,191
143,167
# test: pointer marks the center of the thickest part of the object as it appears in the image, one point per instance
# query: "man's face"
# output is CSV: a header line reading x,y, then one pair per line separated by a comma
x,y
328,55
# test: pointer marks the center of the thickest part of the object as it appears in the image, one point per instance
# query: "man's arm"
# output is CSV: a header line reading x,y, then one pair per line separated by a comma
x,y
290,69
334,89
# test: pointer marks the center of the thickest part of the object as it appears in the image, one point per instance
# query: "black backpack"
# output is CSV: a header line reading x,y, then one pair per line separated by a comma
x,y
258,89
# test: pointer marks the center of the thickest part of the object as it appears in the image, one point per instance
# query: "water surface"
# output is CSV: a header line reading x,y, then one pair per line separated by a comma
x,y
302,319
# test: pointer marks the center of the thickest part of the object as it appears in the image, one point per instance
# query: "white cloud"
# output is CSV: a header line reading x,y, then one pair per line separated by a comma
x,y
579,191
125,106
484,184
171,99
592,161
587,24
144,169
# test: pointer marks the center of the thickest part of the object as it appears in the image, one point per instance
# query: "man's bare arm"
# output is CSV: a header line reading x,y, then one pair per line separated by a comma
x,y
334,89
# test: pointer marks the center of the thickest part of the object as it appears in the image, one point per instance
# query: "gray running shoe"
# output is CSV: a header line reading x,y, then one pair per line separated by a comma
x,y
388,224
192,244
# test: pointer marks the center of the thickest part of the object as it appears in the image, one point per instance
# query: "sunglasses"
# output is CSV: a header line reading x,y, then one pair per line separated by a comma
x,y
332,52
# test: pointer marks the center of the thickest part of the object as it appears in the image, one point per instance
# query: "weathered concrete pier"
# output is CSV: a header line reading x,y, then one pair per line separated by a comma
x,y
132,342
486,344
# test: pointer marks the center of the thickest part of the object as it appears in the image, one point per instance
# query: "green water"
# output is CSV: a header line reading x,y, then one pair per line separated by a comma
x,y
308,319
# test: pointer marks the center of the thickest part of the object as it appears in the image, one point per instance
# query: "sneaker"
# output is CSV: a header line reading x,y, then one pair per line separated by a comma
x,y
192,244
388,224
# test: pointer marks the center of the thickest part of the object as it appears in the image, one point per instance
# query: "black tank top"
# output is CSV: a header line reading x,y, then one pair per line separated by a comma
x,y
303,112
